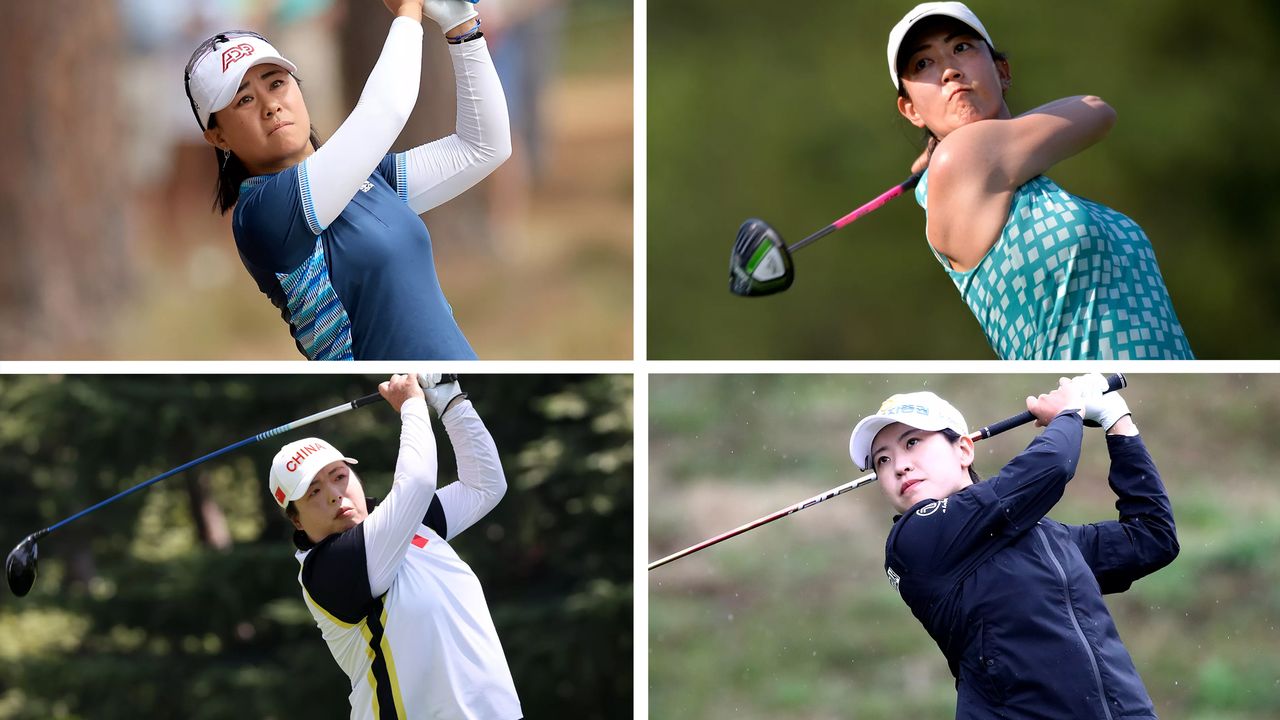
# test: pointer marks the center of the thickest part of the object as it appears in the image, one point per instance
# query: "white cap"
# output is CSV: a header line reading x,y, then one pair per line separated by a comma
x,y
921,410
216,77
296,464
923,10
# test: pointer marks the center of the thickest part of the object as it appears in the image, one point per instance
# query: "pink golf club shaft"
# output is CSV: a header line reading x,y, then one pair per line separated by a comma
x,y
876,204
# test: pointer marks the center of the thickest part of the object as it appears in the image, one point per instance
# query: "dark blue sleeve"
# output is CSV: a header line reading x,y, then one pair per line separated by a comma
x,y
951,536
1144,539
270,224
336,576
393,171
435,519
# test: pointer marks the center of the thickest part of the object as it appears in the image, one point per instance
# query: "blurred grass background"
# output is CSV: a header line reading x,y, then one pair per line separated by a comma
x,y
796,621
788,114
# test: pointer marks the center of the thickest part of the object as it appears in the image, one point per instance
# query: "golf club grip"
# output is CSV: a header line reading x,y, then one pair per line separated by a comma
x,y
375,397
366,400
1114,382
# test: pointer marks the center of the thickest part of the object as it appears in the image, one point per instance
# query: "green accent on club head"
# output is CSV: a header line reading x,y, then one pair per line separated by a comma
x,y
757,257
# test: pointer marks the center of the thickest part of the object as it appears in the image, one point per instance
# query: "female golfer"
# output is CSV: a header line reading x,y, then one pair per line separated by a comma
x,y
331,233
403,615
1013,598
1048,274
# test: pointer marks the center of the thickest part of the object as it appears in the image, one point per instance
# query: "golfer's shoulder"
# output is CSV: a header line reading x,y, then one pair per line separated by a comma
x,y
335,575
338,556
918,532
968,202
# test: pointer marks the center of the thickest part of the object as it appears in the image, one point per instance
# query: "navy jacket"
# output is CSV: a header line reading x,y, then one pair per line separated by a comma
x,y
1014,599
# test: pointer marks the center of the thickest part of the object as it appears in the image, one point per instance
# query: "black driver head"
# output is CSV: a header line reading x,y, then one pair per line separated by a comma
x,y
760,263
20,566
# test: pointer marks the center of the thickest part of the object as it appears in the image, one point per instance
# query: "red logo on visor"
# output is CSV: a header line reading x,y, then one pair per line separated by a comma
x,y
232,54
279,496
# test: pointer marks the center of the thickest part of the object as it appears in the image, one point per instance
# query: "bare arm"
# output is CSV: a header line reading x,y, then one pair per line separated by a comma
x,y
411,9
976,169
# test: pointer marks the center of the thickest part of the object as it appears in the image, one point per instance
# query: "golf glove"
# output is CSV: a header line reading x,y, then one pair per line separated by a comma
x,y
449,14
1101,408
439,395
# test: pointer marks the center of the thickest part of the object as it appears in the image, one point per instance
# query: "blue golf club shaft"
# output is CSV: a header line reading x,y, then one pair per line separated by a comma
x,y
337,410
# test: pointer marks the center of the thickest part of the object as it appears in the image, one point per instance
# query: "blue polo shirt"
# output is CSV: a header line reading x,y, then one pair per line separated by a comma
x,y
363,288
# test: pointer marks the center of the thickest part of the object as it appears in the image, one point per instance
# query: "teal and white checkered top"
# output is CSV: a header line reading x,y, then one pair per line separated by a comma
x,y
1069,279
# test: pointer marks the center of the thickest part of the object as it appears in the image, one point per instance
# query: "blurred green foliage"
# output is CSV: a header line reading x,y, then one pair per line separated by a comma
x,y
790,116
133,616
796,621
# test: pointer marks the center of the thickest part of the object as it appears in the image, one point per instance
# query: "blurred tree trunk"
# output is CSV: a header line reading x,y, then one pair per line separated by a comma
x,y
211,522
82,567
61,198
462,224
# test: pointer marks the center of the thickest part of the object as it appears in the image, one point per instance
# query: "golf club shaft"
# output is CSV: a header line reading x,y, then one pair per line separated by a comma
x,y
1114,382
337,410
876,204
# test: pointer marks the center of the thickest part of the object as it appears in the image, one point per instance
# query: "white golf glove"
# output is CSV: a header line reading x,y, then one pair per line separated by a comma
x,y
439,395
449,14
1101,408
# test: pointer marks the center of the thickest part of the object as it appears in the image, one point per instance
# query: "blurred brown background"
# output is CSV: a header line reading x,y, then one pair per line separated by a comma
x,y
112,249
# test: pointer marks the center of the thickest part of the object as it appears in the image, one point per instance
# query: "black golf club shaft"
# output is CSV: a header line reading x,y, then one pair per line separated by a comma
x,y
1114,382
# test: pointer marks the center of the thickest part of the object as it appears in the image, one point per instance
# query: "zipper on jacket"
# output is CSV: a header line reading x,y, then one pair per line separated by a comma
x,y
1075,622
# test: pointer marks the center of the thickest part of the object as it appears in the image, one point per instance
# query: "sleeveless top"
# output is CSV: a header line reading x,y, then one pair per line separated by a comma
x,y
1069,279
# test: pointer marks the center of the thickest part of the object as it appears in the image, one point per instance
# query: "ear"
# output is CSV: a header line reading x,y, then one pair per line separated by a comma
x,y
1006,76
214,137
967,455
908,111
297,523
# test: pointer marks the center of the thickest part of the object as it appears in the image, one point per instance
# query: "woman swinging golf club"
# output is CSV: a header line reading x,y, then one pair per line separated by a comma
x,y
1012,597
1048,274
403,615
331,233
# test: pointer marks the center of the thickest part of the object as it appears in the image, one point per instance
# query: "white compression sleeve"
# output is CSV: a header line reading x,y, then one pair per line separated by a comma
x,y
336,171
390,527
439,171
481,482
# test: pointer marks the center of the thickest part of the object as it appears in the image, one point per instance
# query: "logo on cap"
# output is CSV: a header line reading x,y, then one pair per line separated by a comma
x,y
895,406
302,454
232,54
279,496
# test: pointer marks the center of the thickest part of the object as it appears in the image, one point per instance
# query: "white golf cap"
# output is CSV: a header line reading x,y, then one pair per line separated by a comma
x,y
921,410
923,10
216,77
296,464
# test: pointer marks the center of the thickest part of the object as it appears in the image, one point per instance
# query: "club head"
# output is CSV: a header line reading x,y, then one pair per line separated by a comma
x,y
20,566
760,263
